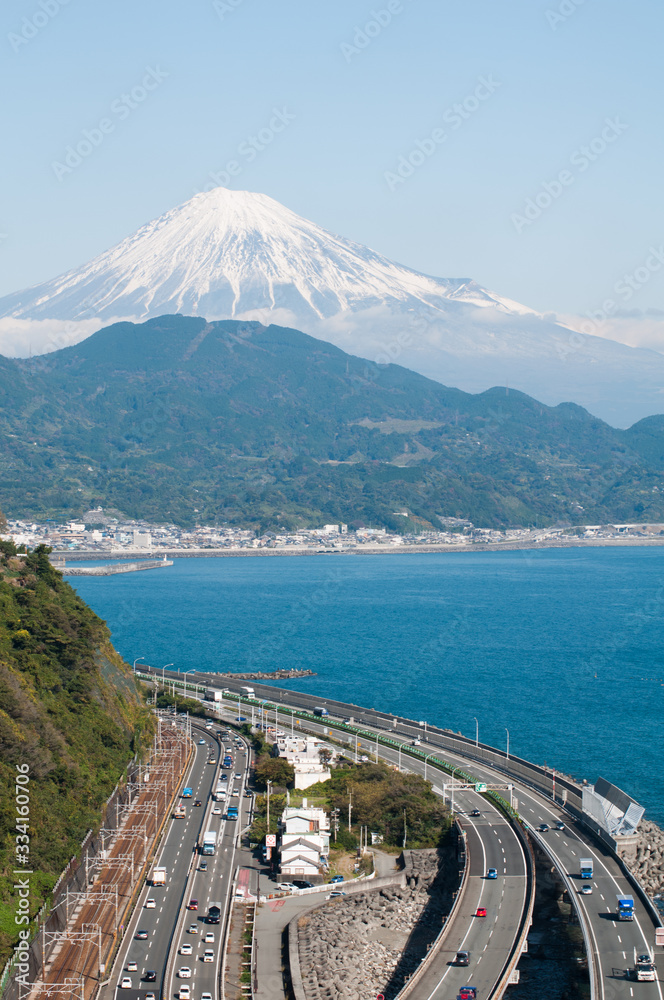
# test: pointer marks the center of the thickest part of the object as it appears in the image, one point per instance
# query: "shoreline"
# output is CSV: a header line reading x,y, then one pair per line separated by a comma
x,y
369,550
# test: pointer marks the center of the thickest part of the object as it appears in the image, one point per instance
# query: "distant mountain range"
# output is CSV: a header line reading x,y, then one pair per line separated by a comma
x,y
234,254
188,421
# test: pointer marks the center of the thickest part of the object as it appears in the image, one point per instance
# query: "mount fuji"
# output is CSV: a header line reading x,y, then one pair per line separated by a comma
x,y
238,255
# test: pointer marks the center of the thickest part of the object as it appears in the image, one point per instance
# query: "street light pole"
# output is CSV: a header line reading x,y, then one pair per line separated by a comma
x,y
136,661
477,733
508,742
163,673
454,770
269,786
185,679
425,764
377,747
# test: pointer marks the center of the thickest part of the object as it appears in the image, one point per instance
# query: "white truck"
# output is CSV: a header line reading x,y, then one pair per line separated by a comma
x,y
159,875
212,694
248,692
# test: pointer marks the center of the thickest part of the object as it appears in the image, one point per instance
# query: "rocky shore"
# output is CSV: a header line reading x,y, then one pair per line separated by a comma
x,y
369,943
648,866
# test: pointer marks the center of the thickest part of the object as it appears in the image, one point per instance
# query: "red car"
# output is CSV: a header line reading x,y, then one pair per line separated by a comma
x,y
481,911
193,904
467,993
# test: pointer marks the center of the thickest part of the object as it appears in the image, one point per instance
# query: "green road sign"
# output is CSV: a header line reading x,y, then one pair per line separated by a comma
x,y
480,786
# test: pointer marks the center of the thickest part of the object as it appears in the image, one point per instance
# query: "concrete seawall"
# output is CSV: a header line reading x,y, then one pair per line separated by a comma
x,y
112,568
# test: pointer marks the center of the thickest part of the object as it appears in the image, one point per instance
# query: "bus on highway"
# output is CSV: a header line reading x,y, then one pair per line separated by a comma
x,y
187,793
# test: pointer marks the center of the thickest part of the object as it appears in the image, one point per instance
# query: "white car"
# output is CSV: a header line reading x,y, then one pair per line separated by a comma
x,y
206,996
186,949
208,955
132,967
286,887
209,938
238,777
126,983
216,811
150,904
185,993
184,972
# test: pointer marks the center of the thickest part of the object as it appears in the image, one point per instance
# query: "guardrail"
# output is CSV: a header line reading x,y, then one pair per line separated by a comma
x,y
526,916
410,985
596,991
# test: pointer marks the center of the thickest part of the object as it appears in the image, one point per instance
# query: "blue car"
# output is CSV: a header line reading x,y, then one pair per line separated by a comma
x,y
492,873
337,878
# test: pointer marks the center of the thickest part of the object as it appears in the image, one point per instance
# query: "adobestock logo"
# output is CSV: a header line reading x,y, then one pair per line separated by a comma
x,y
121,108
363,36
581,159
454,116
36,22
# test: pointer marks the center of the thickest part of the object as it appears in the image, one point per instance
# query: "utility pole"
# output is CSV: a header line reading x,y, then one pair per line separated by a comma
x,y
269,786
405,830
350,807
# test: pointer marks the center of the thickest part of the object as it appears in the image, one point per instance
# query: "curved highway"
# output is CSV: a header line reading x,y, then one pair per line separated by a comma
x,y
611,944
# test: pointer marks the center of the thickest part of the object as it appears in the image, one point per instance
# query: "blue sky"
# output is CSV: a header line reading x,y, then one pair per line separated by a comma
x,y
553,72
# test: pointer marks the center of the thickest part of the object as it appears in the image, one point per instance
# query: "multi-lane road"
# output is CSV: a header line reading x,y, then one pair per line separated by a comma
x,y
165,936
611,944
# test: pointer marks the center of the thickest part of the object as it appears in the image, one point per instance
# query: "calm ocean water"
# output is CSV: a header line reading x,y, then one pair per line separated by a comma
x,y
565,648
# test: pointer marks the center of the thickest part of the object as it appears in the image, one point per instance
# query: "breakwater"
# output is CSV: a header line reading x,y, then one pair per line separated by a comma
x,y
111,568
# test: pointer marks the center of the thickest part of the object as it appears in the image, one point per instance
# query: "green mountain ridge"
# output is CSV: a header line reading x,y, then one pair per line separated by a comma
x,y
182,420
70,719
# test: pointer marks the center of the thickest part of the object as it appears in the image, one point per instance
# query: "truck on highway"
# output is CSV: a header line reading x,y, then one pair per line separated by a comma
x,y
320,711
187,793
645,970
231,812
625,907
158,875
213,913
179,812
220,792
212,694
209,842
586,867
248,692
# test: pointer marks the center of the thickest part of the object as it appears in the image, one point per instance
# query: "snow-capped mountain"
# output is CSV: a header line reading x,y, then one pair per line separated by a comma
x,y
234,254
227,254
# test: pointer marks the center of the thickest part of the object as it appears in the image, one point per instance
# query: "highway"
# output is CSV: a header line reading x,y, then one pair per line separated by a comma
x,y
172,943
492,843
611,944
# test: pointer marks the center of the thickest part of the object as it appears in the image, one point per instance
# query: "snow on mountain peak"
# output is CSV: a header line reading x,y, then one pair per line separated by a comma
x,y
227,253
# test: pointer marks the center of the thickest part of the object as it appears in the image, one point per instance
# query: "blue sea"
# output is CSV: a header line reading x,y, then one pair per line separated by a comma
x,y
562,647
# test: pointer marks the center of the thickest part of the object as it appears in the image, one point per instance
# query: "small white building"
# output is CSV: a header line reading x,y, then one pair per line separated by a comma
x,y
305,840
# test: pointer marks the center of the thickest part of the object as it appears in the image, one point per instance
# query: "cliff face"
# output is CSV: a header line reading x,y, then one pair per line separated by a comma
x,y
70,720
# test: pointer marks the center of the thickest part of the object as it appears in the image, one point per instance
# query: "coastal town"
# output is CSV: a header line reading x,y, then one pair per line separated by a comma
x,y
97,533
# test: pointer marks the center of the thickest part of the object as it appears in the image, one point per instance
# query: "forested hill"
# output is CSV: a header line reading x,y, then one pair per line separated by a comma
x,y
70,717
182,420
